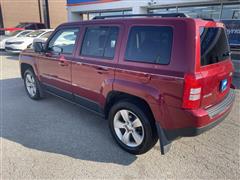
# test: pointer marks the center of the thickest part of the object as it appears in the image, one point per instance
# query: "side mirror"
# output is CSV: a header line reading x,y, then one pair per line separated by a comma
x,y
38,47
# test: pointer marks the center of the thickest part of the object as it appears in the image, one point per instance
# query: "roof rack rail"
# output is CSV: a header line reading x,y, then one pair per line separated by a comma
x,y
143,15
208,19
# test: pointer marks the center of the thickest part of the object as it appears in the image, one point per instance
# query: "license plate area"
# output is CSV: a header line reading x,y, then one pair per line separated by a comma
x,y
223,85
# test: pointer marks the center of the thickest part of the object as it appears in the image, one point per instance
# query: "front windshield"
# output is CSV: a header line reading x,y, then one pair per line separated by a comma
x,y
35,34
24,33
46,35
21,25
13,33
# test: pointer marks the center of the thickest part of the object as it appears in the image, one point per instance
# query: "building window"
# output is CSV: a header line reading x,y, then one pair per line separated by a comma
x,y
207,12
110,13
231,11
92,15
164,10
127,12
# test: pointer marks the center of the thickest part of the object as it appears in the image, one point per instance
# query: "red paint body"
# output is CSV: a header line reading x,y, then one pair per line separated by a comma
x,y
160,86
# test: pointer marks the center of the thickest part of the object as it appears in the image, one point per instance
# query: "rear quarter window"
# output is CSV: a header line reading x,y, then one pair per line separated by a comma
x,y
150,44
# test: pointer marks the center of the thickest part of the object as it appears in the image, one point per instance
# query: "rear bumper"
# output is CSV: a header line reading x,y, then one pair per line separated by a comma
x,y
211,117
193,131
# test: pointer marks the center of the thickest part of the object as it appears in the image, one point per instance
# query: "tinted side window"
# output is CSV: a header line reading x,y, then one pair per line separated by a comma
x,y
40,26
111,43
100,42
150,44
30,26
64,39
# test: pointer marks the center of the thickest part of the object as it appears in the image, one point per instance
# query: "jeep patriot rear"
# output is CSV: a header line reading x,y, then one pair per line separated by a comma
x,y
152,78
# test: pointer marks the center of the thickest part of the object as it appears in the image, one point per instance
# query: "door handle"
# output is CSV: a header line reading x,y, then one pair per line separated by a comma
x,y
78,63
102,70
63,63
147,76
48,54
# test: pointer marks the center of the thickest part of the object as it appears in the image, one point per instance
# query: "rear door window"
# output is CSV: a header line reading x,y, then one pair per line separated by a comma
x,y
150,44
214,45
100,42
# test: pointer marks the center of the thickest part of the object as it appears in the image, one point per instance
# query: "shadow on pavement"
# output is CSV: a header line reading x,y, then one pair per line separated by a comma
x,y
9,56
55,126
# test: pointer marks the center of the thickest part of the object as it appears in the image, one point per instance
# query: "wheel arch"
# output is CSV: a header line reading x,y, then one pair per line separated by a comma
x,y
116,96
24,67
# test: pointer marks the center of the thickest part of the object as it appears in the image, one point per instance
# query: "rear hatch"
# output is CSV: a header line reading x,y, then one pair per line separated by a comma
x,y
216,66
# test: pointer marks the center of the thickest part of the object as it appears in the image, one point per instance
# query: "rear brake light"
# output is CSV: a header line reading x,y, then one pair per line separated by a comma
x,y
192,91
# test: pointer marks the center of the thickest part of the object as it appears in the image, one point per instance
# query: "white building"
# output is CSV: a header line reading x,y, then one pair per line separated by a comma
x,y
215,9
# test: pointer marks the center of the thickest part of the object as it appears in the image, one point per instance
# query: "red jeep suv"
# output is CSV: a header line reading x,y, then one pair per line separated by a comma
x,y
151,77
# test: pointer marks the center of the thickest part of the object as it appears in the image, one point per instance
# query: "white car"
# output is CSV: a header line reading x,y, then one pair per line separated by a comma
x,y
12,35
43,38
17,45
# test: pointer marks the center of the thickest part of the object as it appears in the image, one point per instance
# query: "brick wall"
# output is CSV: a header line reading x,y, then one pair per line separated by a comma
x,y
57,12
15,11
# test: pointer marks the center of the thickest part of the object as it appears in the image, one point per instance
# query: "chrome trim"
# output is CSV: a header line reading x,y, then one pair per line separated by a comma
x,y
223,105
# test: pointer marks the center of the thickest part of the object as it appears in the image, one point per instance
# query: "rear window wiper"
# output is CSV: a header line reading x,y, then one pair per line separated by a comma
x,y
226,54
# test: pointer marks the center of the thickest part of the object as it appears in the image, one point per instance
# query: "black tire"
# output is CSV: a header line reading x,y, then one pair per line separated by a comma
x,y
150,136
36,95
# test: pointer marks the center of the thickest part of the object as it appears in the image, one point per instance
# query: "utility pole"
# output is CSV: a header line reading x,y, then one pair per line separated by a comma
x,y
39,10
1,17
46,13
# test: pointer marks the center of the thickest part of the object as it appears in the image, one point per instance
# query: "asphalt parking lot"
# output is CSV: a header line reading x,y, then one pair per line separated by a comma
x,y
54,139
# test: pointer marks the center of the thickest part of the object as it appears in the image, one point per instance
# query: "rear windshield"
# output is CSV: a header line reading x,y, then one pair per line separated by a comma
x,y
214,45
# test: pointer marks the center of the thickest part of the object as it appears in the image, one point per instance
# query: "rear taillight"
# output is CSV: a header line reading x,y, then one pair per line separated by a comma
x,y
192,91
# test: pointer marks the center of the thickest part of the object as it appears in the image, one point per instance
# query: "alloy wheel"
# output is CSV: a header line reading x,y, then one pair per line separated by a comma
x,y
30,85
128,128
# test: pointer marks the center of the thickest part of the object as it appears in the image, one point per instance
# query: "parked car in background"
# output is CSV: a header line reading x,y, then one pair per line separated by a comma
x,y
152,78
43,38
23,26
15,34
16,45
